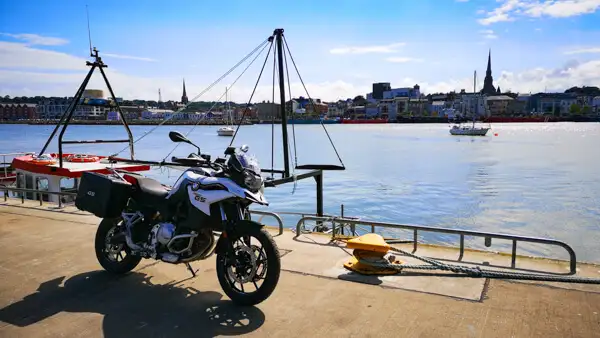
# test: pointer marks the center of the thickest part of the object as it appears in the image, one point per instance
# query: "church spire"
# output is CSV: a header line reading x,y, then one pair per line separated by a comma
x,y
488,72
488,82
184,98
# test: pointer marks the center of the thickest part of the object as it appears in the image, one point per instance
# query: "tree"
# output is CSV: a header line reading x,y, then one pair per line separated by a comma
x,y
586,110
359,100
575,109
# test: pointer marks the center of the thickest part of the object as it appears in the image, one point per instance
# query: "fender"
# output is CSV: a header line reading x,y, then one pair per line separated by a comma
x,y
223,243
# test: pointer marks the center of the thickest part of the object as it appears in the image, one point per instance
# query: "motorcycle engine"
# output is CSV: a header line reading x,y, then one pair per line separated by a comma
x,y
164,233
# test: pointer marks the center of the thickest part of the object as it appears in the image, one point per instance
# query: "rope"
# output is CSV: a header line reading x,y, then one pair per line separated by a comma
x,y
201,93
311,100
253,91
219,99
475,272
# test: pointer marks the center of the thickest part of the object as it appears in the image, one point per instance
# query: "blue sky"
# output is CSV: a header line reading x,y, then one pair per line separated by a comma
x,y
341,47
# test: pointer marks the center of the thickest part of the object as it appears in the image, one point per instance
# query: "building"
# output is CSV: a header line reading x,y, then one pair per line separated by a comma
x,y
435,107
555,104
499,105
413,93
472,104
267,111
155,114
333,109
18,111
317,108
378,90
596,105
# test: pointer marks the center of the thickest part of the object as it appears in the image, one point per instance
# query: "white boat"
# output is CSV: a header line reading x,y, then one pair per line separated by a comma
x,y
228,129
469,130
225,131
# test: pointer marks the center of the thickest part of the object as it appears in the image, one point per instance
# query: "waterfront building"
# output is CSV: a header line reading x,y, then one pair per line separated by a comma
x,y
18,111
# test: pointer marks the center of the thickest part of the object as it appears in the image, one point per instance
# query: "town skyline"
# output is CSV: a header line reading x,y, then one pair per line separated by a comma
x,y
535,46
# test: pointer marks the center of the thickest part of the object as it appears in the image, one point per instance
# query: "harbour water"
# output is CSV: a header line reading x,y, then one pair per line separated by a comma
x,y
536,179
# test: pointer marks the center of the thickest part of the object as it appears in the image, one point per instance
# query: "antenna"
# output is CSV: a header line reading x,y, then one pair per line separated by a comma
x,y
89,33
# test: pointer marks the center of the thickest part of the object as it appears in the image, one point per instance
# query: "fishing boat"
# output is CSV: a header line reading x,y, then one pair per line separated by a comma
x,y
228,129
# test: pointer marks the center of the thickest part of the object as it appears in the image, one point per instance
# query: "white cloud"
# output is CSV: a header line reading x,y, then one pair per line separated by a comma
x,y
29,71
34,39
129,57
19,55
402,59
538,29
390,48
510,9
583,51
488,34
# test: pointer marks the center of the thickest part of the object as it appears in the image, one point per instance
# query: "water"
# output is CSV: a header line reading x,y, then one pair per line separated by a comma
x,y
532,179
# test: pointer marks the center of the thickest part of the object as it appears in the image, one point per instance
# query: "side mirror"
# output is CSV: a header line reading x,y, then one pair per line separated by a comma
x,y
176,136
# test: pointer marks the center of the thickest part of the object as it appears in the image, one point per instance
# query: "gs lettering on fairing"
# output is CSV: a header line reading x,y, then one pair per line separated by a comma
x,y
203,213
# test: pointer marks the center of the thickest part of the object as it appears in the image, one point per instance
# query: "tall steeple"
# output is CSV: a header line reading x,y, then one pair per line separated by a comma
x,y
184,98
488,82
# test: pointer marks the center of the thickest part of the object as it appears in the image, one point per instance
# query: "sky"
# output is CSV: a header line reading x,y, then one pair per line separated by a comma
x,y
339,47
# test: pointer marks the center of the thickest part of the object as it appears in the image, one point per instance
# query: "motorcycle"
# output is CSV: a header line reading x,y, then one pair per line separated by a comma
x,y
142,218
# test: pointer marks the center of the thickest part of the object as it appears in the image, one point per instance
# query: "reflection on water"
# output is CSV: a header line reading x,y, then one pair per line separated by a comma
x,y
532,179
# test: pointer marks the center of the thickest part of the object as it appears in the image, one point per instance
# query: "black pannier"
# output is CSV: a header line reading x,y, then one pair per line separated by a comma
x,y
102,195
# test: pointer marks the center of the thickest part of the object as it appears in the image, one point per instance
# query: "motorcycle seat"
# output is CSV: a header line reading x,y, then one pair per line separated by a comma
x,y
152,191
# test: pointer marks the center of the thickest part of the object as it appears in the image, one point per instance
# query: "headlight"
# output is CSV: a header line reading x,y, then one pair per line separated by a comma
x,y
252,182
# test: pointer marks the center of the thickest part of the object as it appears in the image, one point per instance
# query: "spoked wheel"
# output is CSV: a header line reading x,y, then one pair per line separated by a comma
x,y
114,258
251,277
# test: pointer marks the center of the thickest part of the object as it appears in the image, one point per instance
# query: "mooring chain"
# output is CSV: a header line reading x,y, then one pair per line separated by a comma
x,y
474,272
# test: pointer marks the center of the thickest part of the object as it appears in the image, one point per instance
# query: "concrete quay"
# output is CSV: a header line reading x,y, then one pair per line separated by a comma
x,y
52,286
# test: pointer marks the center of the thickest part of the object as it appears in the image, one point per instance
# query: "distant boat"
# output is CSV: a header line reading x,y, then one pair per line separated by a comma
x,y
469,130
228,129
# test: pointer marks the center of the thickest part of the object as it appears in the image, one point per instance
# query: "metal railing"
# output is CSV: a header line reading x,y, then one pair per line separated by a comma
x,y
488,236
5,164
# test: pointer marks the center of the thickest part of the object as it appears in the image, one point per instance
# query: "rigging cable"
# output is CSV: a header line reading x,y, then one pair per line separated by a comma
x,y
311,100
253,91
262,44
219,99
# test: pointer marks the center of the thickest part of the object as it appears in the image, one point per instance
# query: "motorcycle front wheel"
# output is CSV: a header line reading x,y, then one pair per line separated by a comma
x,y
252,276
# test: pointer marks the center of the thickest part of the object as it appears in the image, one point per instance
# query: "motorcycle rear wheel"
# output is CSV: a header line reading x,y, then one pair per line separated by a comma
x,y
266,267
108,254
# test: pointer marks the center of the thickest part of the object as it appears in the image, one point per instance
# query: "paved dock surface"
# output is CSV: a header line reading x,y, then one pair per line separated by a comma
x,y
52,286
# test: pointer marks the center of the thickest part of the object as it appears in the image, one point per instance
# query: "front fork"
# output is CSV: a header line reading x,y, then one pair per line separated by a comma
x,y
229,231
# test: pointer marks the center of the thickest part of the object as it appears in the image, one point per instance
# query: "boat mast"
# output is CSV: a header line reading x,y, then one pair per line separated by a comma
x,y
475,95
286,160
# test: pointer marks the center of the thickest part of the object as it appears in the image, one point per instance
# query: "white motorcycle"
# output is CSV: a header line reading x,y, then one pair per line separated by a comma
x,y
143,218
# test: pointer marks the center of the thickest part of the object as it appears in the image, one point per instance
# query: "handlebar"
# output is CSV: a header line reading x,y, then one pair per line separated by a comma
x,y
192,162
198,162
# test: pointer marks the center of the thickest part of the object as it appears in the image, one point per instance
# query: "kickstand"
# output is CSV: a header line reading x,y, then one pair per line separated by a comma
x,y
189,267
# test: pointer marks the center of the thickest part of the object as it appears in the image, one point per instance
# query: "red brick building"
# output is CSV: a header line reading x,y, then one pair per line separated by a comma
x,y
18,111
